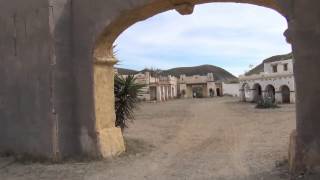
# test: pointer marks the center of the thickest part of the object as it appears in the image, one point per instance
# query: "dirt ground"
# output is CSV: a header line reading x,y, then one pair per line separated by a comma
x,y
193,139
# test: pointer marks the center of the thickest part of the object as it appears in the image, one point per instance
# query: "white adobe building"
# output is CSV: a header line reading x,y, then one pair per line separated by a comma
x,y
160,88
199,86
164,89
273,78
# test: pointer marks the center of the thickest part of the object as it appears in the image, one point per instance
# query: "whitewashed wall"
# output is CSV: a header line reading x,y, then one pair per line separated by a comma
x,y
231,89
276,82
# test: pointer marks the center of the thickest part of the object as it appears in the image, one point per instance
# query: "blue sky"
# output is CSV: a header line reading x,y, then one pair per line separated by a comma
x,y
232,36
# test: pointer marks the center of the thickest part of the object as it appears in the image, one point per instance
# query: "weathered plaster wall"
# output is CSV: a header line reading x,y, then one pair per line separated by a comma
x,y
38,92
25,109
62,78
231,89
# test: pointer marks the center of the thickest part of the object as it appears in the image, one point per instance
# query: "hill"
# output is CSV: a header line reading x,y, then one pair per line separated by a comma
x,y
218,73
260,68
123,71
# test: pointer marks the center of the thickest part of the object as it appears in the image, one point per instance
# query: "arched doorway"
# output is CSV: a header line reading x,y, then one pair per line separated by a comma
x,y
257,92
218,92
197,92
285,93
270,93
211,92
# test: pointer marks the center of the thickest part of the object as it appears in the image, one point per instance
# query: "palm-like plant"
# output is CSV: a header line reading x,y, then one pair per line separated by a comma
x,y
126,92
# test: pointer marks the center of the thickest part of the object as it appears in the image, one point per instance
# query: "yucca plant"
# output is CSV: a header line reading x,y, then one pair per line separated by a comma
x,y
126,92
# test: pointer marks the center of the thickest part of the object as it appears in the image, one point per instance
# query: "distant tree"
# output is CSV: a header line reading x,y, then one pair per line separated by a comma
x,y
155,72
126,92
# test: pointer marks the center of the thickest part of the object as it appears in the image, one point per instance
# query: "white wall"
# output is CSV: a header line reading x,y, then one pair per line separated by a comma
x,y
231,89
211,85
276,82
280,65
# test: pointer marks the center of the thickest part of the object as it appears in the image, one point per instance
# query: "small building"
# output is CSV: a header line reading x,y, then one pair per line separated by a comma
x,y
198,86
185,82
271,79
157,88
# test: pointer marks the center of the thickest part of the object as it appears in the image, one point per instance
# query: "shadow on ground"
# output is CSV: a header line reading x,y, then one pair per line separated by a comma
x,y
137,147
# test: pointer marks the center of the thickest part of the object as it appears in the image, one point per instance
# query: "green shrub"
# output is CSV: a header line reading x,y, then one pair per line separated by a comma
x,y
126,92
266,103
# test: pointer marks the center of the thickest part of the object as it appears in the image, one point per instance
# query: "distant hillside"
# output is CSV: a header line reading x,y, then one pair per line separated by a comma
x,y
218,73
260,68
123,71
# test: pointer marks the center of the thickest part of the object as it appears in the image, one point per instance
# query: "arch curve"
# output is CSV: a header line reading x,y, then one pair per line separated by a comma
x,y
106,37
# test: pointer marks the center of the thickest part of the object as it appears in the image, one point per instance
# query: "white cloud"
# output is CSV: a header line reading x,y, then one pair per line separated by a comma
x,y
226,31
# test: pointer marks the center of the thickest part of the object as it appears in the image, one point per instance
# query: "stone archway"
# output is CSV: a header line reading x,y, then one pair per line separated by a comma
x,y
72,56
104,60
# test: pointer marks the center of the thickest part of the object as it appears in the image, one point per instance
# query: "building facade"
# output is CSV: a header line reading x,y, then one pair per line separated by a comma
x,y
275,81
165,87
198,86
157,88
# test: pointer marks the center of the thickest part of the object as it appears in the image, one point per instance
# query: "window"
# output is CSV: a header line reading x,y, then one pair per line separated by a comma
x,y
285,67
274,68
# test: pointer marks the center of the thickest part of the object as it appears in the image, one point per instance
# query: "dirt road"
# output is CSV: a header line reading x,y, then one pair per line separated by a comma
x,y
194,139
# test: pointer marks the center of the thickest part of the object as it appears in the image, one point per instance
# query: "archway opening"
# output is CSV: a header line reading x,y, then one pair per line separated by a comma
x,y
257,92
285,93
218,92
270,93
106,56
211,92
